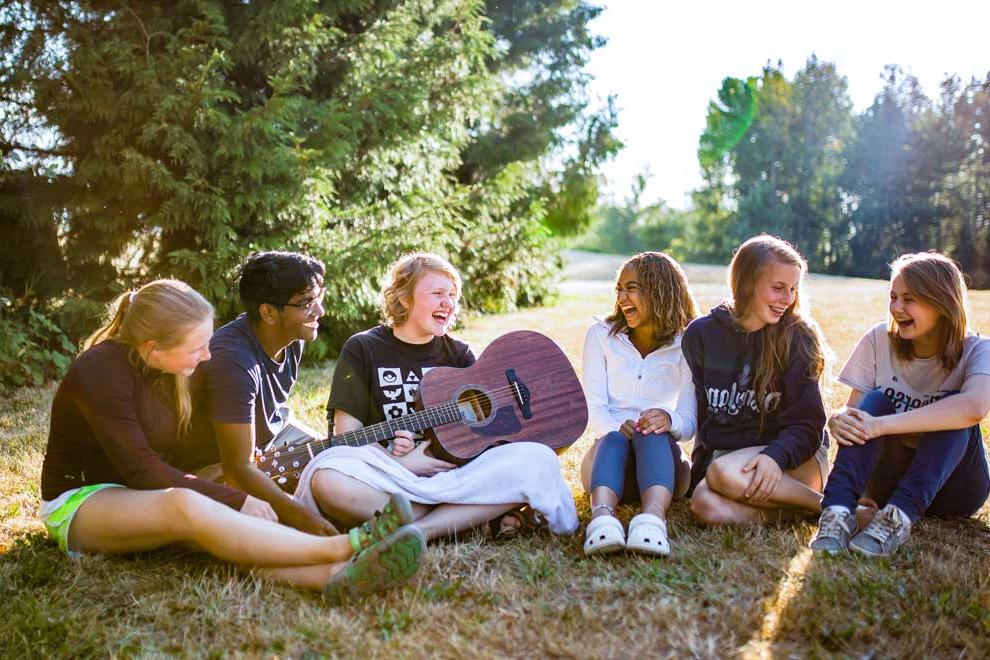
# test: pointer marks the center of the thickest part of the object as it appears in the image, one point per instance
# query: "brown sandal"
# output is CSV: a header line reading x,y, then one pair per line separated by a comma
x,y
527,520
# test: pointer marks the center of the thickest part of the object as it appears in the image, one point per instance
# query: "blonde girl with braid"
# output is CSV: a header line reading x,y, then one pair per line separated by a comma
x,y
756,360
117,475
641,405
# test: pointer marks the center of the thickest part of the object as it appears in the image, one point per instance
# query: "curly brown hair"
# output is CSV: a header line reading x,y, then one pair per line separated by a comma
x,y
665,288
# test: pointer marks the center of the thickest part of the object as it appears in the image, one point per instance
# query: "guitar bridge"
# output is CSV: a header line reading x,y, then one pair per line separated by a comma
x,y
521,392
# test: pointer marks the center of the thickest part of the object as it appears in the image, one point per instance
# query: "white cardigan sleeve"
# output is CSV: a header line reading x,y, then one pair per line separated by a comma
x,y
595,374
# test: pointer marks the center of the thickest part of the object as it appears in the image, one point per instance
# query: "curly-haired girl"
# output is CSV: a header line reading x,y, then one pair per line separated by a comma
x,y
641,403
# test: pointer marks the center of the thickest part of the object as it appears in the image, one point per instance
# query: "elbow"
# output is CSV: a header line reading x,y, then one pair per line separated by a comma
x,y
976,410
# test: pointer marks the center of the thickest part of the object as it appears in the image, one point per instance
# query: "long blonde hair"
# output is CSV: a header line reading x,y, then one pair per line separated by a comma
x,y
665,289
403,276
938,282
795,330
163,311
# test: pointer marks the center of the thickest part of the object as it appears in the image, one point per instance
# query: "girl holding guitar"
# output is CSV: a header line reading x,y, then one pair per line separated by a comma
x,y
376,379
641,403
116,475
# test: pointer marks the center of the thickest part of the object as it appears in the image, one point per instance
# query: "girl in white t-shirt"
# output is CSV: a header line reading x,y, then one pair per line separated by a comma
x,y
909,435
641,403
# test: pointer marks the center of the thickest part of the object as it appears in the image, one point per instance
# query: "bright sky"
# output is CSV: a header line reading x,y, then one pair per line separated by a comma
x,y
666,60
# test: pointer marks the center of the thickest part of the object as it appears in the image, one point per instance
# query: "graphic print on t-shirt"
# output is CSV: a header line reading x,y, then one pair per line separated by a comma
x,y
398,390
395,410
389,376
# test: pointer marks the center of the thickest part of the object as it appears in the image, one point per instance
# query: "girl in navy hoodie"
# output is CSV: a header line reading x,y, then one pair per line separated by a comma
x,y
760,453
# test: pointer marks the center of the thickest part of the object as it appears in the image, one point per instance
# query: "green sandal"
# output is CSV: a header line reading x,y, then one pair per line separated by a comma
x,y
382,565
396,513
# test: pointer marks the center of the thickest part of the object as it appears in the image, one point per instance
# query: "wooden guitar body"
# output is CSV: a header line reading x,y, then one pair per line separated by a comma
x,y
522,389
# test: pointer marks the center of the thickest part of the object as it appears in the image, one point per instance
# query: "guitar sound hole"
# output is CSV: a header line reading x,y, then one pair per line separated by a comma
x,y
475,406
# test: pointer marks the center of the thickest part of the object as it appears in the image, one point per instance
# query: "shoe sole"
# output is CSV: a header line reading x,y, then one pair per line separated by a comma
x,y
384,565
648,550
868,553
604,549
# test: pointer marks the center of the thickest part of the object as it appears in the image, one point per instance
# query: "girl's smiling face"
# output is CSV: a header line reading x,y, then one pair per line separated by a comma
x,y
916,321
432,308
630,300
775,292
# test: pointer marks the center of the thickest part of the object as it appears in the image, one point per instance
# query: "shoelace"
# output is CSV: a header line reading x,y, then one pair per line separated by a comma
x,y
833,526
885,527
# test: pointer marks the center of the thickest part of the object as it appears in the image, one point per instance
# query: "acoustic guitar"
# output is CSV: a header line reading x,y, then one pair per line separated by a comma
x,y
522,388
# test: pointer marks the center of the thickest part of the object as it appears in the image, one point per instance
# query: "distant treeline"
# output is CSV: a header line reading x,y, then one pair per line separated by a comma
x,y
174,137
852,191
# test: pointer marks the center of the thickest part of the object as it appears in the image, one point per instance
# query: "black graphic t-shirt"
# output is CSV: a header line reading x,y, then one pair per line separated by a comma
x,y
723,360
377,374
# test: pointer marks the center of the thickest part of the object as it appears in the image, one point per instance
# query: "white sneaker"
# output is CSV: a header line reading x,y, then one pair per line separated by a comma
x,y
648,534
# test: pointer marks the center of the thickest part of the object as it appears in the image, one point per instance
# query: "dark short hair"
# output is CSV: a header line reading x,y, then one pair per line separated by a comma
x,y
273,277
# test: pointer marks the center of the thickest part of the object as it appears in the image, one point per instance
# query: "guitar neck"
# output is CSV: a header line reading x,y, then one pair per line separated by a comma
x,y
424,419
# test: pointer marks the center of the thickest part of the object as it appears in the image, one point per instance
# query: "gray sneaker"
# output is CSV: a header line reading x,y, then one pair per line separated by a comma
x,y
835,527
888,530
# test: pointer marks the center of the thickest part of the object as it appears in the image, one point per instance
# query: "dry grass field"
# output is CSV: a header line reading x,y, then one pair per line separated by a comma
x,y
723,592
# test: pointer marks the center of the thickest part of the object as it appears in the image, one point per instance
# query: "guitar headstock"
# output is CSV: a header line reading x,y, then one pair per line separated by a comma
x,y
284,465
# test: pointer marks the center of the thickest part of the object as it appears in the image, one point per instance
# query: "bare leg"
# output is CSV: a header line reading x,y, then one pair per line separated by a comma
x,y
306,577
351,502
603,496
121,520
656,500
720,497
587,463
450,519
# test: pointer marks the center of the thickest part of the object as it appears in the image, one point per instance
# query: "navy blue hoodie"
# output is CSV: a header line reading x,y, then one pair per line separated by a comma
x,y
723,359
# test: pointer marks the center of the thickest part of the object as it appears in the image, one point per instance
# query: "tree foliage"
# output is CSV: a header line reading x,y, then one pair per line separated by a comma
x,y
172,138
850,191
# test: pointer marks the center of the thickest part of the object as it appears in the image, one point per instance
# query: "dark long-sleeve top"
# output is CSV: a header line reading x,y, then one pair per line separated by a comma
x,y
723,359
113,422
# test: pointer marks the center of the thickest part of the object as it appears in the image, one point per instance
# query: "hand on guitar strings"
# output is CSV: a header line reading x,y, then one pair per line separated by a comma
x,y
422,464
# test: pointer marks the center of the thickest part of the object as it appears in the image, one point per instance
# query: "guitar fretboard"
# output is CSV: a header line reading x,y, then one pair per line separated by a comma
x,y
436,416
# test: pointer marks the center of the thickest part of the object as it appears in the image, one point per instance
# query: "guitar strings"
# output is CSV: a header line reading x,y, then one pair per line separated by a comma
x,y
495,397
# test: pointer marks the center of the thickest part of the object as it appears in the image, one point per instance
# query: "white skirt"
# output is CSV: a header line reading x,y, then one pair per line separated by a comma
x,y
519,472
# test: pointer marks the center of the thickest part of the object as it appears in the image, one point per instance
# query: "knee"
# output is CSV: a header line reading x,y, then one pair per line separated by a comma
x,y
707,507
184,508
725,478
614,437
876,403
332,492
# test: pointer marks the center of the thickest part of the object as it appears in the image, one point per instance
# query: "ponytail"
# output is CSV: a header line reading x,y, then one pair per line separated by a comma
x,y
163,311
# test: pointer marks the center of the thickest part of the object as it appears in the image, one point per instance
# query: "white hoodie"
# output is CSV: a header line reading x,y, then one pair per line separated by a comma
x,y
620,384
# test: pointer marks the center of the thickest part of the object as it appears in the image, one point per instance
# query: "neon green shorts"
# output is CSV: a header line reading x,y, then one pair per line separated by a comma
x,y
58,514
